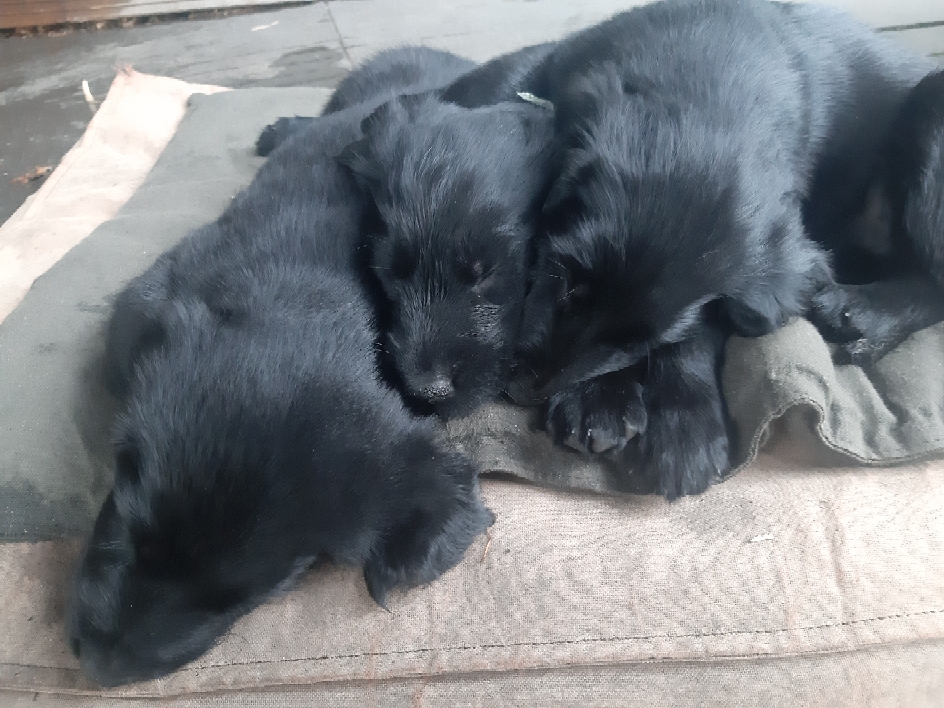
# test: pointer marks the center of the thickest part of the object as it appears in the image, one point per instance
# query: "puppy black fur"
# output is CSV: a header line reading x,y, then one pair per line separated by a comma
x,y
385,75
458,194
891,258
498,80
257,436
700,136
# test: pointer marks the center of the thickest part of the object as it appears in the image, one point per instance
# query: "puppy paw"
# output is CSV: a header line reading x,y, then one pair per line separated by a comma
x,y
686,449
832,312
863,335
597,416
861,352
439,521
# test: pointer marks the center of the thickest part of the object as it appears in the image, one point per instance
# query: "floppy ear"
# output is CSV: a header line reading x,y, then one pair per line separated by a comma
x,y
545,291
138,323
563,202
560,204
358,158
444,516
412,103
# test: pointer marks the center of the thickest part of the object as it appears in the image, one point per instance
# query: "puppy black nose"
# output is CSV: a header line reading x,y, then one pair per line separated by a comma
x,y
436,388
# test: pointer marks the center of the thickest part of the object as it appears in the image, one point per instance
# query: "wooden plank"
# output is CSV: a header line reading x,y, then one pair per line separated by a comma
x,y
32,13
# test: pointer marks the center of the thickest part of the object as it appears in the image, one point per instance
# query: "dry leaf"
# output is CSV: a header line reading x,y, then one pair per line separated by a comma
x,y
34,174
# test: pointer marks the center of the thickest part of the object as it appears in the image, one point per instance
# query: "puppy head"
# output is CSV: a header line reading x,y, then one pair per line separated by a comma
x,y
641,233
189,538
457,193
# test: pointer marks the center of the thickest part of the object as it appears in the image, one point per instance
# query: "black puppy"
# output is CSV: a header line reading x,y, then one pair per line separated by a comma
x,y
699,136
257,436
458,194
890,260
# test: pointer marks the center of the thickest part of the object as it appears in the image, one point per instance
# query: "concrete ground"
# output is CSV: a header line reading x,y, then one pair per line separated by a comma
x,y
43,111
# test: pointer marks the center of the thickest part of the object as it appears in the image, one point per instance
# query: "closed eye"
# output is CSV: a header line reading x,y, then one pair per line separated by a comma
x,y
485,281
577,294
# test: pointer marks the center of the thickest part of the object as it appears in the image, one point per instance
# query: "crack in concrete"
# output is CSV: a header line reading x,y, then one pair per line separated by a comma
x,y
337,32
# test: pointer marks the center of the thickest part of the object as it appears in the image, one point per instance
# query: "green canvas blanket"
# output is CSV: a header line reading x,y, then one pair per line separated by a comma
x,y
55,416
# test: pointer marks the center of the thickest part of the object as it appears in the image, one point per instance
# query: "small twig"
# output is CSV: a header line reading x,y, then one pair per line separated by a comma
x,y
89,98
535,100
37,172
488,544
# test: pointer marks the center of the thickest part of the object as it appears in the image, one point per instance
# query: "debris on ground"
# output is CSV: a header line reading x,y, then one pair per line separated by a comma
x,y
37,172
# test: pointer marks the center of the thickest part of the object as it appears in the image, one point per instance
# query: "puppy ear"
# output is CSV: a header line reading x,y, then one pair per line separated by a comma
x,y
96,593
358,158
560,205
444,516
138,323
413,103
545,291
563,203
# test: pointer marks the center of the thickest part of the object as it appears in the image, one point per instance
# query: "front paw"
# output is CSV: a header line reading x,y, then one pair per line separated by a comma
x,y
832,313
596,416
846,318
685,449
862,351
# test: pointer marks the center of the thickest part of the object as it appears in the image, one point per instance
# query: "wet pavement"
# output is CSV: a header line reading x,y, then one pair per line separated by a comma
x,y
43,111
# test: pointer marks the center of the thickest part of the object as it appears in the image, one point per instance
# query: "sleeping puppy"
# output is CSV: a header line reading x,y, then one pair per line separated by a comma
x,y
699,137
384,76
891,265
257,436
457,194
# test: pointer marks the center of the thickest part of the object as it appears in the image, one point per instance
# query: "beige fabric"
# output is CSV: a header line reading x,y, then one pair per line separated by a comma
x,y
883,677
98,175
778,562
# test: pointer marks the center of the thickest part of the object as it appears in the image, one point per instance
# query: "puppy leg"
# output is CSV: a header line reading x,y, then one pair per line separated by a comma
x,y
685,444
600,415
444,517
870,320
277,133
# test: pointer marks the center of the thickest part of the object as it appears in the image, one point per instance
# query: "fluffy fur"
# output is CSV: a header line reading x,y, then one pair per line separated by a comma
x,y
257,436
457,194
498,80
384,76
701,137
890,260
